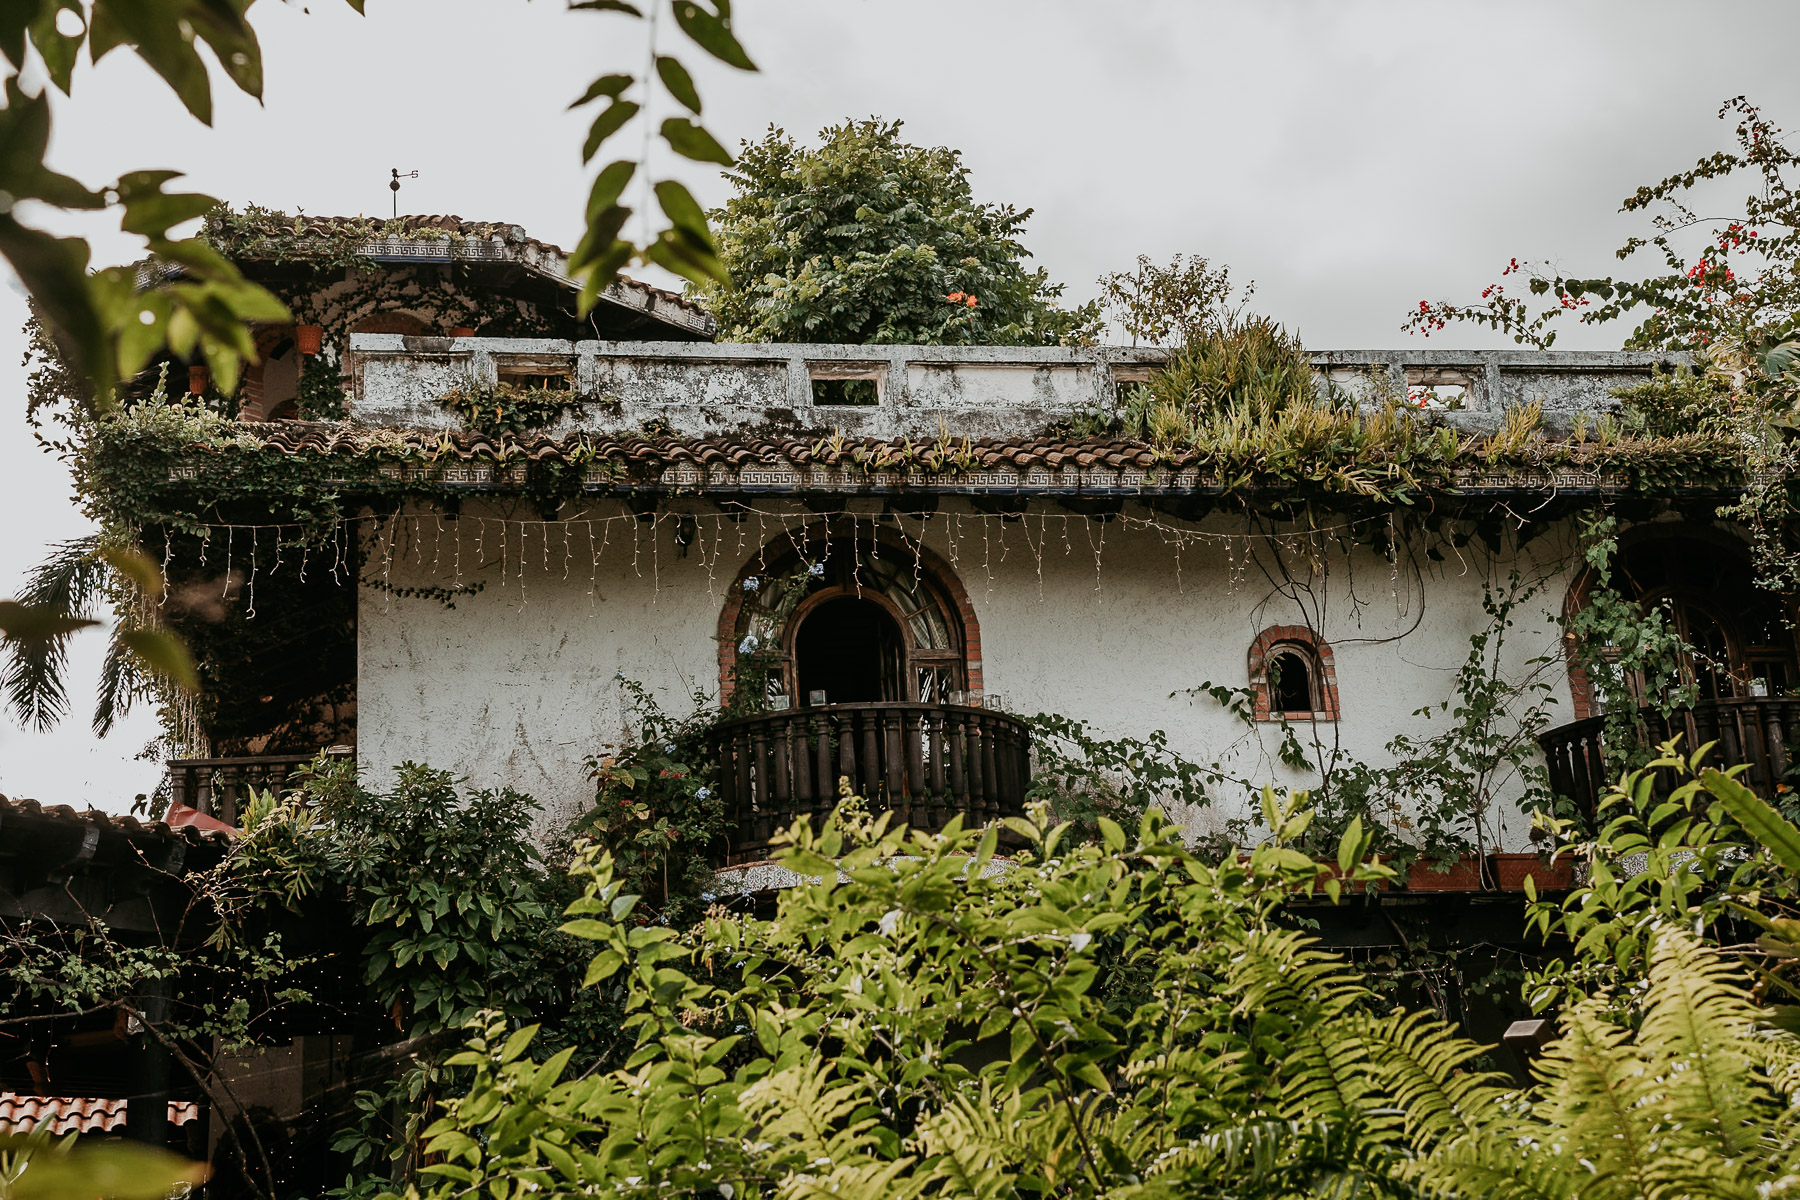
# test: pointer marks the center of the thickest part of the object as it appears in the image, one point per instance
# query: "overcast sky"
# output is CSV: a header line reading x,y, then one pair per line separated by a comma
x,y
1351,157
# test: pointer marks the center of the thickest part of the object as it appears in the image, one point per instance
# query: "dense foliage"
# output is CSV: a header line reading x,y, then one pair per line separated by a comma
x,y
1111,1019
868,239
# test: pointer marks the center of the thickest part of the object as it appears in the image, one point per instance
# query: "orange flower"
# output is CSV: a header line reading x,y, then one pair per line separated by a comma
x,y
954,297
970,302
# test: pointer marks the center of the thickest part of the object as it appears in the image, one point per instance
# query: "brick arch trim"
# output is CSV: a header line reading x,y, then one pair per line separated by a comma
x,y
1272,639
1581,686
930,562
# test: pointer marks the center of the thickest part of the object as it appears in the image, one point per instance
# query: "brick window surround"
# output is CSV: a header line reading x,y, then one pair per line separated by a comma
x,y
781,545
1300,640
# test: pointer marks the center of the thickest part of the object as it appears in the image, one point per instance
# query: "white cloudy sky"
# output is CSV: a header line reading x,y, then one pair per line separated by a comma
x,y
1352,157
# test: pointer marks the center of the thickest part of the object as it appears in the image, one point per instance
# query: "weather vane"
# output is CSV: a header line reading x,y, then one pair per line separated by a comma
x,y
394,186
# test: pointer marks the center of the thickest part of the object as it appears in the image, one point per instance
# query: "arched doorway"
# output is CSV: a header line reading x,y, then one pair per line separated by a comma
x,y
847,650
859,615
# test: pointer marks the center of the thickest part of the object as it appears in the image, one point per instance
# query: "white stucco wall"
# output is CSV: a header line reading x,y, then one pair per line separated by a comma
x,y
517,684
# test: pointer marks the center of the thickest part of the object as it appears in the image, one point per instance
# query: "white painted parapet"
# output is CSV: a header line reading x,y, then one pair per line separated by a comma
x,y
706,389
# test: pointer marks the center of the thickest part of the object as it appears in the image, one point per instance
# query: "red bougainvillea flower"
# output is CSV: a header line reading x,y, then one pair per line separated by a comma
x,y
954,297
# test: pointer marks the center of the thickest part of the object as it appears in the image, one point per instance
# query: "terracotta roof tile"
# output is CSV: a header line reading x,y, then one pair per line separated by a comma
x,y
121,822
76,1114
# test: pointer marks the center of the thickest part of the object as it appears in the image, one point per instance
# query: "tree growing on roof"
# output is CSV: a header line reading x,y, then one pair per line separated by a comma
x,y
869,238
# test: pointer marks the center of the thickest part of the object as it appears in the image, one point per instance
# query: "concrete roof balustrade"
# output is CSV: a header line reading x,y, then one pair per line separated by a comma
x,y
720,389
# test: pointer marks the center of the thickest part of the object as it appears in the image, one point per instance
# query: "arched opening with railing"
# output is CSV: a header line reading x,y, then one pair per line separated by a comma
x,y
867,655
1737,662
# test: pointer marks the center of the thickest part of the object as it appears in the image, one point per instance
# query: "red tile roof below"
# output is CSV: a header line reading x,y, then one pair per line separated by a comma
x,y
66,1114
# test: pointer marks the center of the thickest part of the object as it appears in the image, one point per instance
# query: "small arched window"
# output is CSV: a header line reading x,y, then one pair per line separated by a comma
x,y
1292,676
1292,688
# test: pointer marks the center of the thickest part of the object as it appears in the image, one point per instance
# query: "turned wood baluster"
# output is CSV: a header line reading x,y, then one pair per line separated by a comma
x,y
783,782
1774,746
894,764
771,803
845,725
978,773
871,757
226,783
934,730
826,795
991,770
752,818
802,768
1594,762
958,752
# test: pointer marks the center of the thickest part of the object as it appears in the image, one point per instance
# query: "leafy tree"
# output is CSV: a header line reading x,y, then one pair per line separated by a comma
x,y
869,239
1171,305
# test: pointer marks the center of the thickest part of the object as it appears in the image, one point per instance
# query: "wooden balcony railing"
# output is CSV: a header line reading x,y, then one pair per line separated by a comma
x,y
1757,732
215,786
926,762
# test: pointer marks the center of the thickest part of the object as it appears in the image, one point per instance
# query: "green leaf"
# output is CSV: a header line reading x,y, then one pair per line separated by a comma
x,y
711,31
683,211
163,36
38,622
675,77
603,966
1350,846
515,1045
152,212
118,1170
58,51
609,122
690,141
1762,822
162,653
134,565
610,86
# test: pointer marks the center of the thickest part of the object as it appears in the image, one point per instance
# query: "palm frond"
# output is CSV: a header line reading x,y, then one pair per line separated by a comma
x,y
122,683
34,674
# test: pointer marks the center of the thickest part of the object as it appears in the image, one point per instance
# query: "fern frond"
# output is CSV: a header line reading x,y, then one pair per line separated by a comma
x,y
1696,1031
808,1117
1420,1062
975,1149
1297,998
1597,1095
1499,1164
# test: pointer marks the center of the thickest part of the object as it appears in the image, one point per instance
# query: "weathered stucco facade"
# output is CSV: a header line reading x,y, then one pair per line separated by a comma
x,y
1109,622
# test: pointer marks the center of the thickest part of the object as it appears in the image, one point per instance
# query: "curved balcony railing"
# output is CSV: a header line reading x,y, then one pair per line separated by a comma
x,y
1753,731
926,762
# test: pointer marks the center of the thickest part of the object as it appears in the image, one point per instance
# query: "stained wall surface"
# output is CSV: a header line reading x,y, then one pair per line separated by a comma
x,y
1116,624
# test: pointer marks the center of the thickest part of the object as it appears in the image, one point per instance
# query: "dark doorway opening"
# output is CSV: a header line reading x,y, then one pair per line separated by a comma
x,y
851,650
